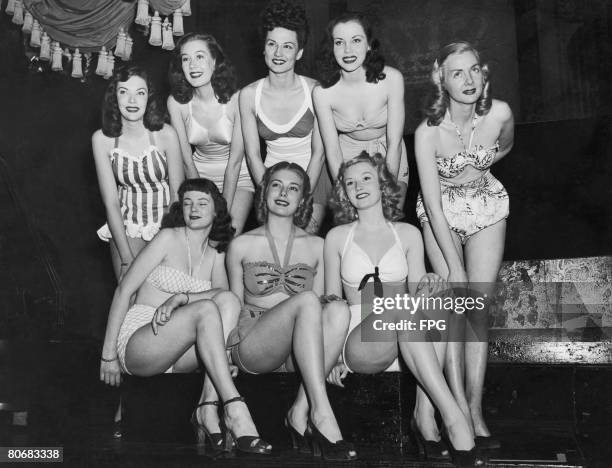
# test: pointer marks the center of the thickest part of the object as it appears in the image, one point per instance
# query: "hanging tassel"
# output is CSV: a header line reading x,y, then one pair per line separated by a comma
x,y
120,47
36,32
168,42
56,62
45,47
102,59
77,68
128,49
10,7
186,8
18,14
28,19
110,66
156,33
142,14
177,23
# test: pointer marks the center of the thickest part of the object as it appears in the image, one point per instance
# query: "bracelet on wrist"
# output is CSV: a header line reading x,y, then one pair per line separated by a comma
x,y
103,359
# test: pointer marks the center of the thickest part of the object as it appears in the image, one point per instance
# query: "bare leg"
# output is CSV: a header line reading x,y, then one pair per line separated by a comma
x,y
483,252
243,199
294,325
336,317
148,354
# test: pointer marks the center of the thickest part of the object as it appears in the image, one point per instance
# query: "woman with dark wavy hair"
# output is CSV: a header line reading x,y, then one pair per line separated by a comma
x,y
278,108
373,253
360,103
203,109
283,326
182,313
138,164
463,208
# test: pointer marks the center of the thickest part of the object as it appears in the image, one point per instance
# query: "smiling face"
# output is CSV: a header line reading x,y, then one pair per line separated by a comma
x,y
132,97
281,50
350,45
462,77
362,185
197,62
285,192
198,209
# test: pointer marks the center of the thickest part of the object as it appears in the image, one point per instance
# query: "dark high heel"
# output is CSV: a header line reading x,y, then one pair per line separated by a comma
x,y
202,434
428,449
472,458
299,442
340,450
244,444
487,442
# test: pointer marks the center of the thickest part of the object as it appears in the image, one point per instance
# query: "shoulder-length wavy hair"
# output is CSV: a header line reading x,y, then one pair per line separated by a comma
x,y
155,113
328,67
223,80
345,212
302,216
222,231
284,14
436,110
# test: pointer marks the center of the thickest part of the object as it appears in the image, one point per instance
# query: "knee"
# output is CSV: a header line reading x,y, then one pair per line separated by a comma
x,y
337,316
309,303
227,303
205,311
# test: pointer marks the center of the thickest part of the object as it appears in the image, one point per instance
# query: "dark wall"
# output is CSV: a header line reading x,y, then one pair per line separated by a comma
x,y
558,175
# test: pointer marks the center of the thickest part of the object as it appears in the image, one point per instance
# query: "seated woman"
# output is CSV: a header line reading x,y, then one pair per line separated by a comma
x,y
282,325
360,103
181,312
278,108
203,108
366,196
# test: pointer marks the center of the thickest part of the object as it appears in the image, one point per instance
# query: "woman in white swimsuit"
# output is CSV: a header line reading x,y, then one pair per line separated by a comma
x,y
203,108
183,312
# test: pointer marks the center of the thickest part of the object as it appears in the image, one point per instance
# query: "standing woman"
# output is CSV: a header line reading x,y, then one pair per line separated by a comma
x,y
371,247
203,108
360,103
278,108
463,208
283,325
138,164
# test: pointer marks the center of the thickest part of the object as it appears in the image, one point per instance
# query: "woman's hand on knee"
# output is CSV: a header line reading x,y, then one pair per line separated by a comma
x,y
337,374
110,373
431,284
164,312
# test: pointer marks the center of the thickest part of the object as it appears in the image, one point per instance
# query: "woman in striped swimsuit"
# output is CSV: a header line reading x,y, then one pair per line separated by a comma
x,y
138,164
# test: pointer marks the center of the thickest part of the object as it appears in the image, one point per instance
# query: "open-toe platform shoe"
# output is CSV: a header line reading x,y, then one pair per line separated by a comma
x,y
340,450
472,458
202,434
428,449
298,441
245,444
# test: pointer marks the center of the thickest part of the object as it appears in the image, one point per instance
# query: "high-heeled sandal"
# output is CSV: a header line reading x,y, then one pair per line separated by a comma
x,y
340,450
428,449
245,444
472,458
202,434
299,441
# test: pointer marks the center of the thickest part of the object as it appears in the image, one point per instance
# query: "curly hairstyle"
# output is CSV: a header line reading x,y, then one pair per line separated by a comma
x,y
223,80
155,113
304,212
284,14
436,110
222,231
327,65
345,212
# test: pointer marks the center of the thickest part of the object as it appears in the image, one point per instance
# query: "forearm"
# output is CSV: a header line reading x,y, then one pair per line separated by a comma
x,y
117,229
394,151
230,182
441,231
116,316
314,170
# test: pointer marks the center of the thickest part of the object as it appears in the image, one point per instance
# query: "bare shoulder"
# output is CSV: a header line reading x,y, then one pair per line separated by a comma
x,y
320,94
244,241
500,110
174,105
167,133
393,74
311,82
337,235
166,237
425,131
101,142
